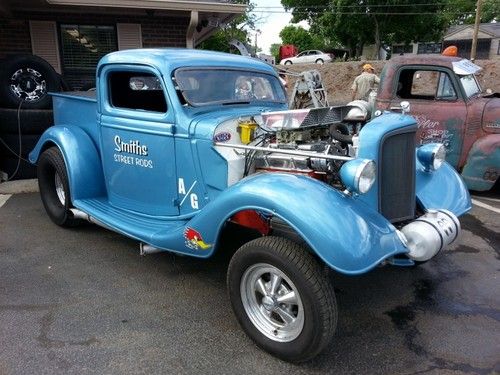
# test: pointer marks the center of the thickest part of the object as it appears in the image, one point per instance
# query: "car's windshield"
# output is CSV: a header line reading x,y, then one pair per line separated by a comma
x,y
227,86
470,85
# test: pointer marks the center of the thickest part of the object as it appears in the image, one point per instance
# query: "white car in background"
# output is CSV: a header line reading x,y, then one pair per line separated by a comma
x,y
308,57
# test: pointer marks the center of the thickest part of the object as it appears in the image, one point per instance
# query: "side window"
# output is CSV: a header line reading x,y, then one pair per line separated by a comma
x,y
425,85
136,91
445,88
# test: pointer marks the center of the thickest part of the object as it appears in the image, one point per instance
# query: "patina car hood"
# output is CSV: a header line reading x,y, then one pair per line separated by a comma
x,y
491,114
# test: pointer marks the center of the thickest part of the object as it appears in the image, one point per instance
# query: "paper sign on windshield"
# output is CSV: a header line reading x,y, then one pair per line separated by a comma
x,y
464,67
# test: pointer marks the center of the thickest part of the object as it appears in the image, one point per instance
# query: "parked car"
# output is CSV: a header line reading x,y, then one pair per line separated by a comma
x,y
194,152
308,57
450,108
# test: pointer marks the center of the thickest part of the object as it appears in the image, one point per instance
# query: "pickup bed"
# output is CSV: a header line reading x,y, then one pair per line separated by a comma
x,y
195,152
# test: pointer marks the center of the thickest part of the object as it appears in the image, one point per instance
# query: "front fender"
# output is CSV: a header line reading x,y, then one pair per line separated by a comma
x,y
443,189
344,232
482,168
86,179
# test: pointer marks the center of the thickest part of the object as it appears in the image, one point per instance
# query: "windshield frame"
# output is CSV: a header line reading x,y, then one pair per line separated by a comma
x,y
226,101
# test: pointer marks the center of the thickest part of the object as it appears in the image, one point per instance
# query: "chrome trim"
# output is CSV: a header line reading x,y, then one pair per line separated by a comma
x,y
360,170
284,152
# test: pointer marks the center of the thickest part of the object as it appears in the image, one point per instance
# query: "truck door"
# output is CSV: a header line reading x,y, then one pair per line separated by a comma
x,y
137,140
436,103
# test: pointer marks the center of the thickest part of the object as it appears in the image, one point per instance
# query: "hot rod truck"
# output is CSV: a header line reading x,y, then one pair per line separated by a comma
x,y
450,108
180,147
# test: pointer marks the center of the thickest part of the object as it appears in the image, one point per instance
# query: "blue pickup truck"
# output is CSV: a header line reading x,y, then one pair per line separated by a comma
x,y
194,152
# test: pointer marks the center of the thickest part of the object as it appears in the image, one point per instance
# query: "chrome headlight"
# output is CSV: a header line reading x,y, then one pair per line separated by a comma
x,y
431,156
358,175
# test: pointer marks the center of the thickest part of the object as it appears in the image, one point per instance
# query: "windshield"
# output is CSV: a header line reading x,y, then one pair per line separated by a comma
x,y
227,86
470,85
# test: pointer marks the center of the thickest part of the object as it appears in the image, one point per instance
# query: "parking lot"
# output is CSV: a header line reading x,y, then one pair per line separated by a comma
x,y
81,301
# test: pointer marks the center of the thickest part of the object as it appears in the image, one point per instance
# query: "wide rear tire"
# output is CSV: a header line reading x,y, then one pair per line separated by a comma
x,y
54,187
282,298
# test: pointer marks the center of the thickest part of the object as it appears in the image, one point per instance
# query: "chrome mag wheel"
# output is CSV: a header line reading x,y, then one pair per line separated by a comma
x,y
272,302
28,84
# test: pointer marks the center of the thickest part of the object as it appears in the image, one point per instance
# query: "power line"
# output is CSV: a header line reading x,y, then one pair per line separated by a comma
x,y
364,13
355,6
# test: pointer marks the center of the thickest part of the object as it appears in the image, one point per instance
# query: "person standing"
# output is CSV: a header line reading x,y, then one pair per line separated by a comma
x,y
364,83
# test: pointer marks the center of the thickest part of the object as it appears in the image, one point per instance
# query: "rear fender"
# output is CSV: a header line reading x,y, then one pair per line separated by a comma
x,y
482,168
83,164
344,232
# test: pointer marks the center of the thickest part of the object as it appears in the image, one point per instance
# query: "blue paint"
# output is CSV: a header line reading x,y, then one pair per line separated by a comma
x,y
152,176
482,168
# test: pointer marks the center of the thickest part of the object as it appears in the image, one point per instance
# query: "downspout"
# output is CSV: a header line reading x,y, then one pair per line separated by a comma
x,y
193,22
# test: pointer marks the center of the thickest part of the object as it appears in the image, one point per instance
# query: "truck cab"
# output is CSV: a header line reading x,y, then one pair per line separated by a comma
x,y
194,152
450,107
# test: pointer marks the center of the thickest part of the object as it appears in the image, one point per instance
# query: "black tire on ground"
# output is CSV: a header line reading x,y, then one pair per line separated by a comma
x,y
255,265
288,62
25,171
28,143
32,77
33,121
51,173
320,61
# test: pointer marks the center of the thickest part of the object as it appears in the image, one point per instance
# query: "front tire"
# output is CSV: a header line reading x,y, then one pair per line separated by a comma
x,y
282,298
288,62
54,187
320,61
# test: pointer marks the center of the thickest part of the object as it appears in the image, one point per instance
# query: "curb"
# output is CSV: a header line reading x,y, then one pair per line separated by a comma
x,y
19,187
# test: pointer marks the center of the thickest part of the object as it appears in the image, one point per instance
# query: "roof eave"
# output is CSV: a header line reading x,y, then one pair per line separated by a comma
x,y
158,4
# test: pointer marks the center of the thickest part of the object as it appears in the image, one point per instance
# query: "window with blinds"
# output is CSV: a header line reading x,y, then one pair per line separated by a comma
x,y
82,46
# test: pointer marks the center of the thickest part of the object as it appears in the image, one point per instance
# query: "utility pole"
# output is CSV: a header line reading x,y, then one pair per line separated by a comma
x,y
476,30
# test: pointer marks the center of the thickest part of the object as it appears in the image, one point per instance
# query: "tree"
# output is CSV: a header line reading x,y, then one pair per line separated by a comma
x,y
300,38
238,29
459,12
354,23
275,51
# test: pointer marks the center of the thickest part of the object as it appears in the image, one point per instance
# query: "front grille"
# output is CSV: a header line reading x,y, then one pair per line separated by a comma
x,y
397,176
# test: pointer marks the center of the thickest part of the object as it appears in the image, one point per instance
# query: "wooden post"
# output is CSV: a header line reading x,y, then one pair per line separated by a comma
x,y
476,30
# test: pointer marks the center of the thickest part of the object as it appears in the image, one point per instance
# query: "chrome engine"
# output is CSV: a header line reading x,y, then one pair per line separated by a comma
x,y
322,131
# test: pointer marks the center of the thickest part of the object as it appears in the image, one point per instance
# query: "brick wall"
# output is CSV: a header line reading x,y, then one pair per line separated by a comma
x,y
157,31
14,37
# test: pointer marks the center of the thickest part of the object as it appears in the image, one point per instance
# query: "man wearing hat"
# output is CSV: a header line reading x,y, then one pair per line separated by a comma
x,y
364,83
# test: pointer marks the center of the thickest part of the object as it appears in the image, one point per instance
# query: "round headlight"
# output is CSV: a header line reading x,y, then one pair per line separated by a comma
x,y
358,175
431,155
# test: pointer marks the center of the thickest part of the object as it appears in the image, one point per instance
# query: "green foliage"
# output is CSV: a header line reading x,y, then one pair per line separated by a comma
x,y
301,38
463,11
238,29
275,51
354,23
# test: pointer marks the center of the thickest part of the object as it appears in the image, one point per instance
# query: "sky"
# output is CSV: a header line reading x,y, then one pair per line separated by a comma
x,y
270,24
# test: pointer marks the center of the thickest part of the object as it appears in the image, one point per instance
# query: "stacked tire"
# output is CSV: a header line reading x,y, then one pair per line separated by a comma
x,y
25,110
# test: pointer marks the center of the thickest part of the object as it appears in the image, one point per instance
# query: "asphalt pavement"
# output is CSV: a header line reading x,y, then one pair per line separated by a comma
x,y
82,301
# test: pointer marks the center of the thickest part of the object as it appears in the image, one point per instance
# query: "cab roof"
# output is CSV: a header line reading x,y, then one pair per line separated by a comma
x,y
167,60
425,59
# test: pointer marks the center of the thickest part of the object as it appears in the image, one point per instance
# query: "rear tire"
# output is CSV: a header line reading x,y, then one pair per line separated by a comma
x,y
54,187
282,298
